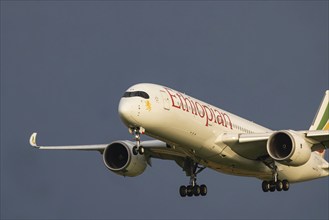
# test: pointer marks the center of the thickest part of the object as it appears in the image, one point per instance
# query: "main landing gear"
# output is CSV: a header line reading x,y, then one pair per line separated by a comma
x,y
271,186
193,189
275,184
138,149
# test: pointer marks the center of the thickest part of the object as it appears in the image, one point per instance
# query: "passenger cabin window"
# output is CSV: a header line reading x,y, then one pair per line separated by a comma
x,y
136,93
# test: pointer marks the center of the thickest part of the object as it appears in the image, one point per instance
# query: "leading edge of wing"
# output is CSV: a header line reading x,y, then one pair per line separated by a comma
x,y
96,147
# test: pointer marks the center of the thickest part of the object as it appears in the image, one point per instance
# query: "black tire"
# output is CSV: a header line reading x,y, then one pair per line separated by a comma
x,y
265,186
286,185
279,185
196,190
182,191
135,151
189,190
272,186
141,150
203,190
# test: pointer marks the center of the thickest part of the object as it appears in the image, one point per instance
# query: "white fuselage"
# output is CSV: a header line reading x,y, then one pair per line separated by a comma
x,y
196,128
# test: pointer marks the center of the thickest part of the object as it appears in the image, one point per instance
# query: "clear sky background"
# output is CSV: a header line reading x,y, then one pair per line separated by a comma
x,y
65,65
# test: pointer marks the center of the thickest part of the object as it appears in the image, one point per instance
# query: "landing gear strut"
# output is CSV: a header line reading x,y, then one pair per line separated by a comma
x,y
275,183
138,149
193,189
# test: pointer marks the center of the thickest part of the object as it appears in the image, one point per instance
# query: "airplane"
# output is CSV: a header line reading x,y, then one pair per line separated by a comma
x,y
197,135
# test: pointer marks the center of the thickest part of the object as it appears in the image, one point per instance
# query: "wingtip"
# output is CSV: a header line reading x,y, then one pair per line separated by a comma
x,y
33,140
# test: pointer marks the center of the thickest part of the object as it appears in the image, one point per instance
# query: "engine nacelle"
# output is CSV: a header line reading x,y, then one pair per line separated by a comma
x,y
119,158
288,148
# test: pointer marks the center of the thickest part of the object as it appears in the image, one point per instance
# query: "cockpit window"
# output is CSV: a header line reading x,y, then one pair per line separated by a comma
x,y
136,93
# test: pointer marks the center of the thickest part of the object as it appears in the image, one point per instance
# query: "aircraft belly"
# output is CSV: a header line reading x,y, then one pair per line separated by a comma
x,y
229,162
309,171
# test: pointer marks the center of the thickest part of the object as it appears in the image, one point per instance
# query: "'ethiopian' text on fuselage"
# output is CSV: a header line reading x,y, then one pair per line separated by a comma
x,y
188,104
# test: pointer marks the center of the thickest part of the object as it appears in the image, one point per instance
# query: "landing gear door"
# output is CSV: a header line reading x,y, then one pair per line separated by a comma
x,y
165,99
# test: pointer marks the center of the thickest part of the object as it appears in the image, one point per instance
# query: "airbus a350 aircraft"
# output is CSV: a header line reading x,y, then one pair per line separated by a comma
x,y
197,135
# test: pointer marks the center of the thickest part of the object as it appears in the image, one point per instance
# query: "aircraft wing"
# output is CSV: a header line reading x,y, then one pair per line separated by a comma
x,y
320,139
154,148
96,147
253,146
317,135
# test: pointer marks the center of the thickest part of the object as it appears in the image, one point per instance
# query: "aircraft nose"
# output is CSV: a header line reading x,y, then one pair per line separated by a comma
x,y
124,108
125,111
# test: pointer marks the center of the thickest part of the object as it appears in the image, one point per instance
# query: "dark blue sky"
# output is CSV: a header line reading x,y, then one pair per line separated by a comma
x,y
65,65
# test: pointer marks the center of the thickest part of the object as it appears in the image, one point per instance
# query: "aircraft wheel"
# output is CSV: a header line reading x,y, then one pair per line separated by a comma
x,y
279,185
182,191
285,185
203,190
141,150
196,190
189,190
265,186
272,186
135,151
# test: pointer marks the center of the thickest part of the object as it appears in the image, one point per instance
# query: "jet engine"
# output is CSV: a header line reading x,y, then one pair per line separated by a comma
x,y
288,148
119,158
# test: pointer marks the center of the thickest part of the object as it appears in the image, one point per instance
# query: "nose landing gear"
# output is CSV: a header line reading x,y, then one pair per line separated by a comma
x,y
138,149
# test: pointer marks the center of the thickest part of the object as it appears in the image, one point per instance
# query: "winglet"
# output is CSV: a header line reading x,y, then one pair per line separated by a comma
x,y
33,140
